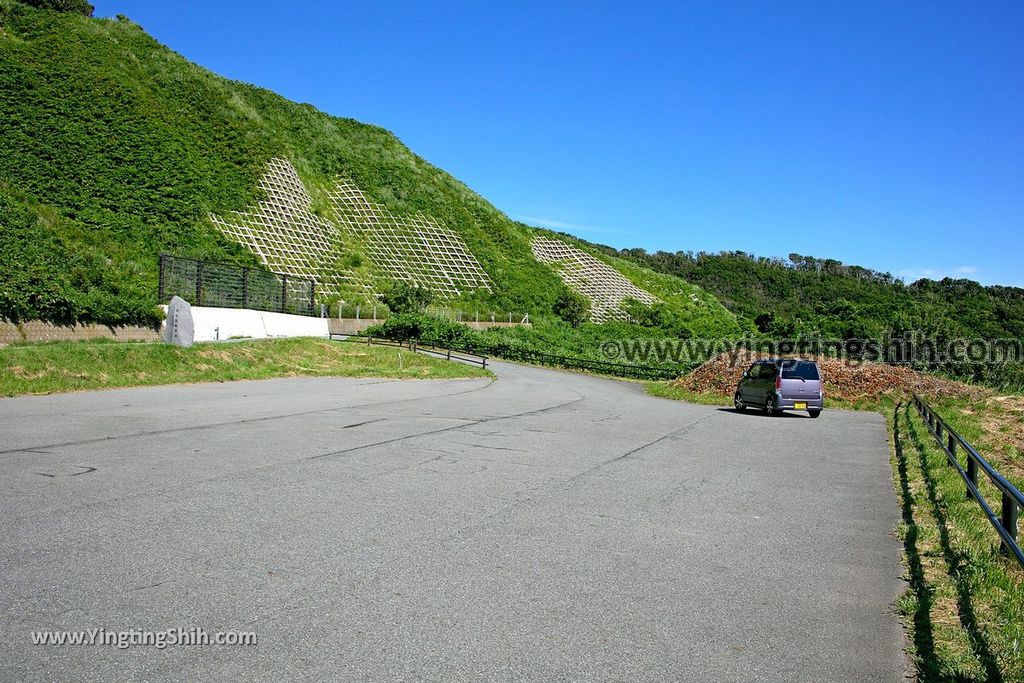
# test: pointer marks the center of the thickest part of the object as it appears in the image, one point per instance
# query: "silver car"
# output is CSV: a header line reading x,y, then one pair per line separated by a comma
x,y
781,384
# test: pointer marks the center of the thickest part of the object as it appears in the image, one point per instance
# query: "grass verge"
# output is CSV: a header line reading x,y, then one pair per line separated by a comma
x,y
965,602
74,366
964,606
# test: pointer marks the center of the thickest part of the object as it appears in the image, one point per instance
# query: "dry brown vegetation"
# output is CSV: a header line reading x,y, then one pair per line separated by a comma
x,y
847,380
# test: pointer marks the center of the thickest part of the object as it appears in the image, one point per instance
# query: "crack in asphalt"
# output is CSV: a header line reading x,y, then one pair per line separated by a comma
x,y
467,423
604,463
364,422
531,494
470,423
231,423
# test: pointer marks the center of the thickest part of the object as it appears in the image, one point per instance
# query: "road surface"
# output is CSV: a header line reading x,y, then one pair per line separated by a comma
x,y
543,526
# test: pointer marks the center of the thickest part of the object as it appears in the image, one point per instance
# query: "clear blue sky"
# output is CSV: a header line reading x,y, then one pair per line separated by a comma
x,y
890,135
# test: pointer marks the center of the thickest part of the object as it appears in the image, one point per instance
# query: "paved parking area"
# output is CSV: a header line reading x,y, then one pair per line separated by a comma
x,y
544,526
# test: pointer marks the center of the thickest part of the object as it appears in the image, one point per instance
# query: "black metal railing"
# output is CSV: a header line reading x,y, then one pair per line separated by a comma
x,y
1005,523
412,345
551,360
600,366
209,283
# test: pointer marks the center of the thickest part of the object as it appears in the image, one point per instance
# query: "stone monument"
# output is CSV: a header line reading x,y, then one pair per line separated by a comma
x,y
179,328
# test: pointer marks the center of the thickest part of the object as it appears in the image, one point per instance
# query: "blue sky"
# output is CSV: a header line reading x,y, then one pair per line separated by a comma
x,y
890,135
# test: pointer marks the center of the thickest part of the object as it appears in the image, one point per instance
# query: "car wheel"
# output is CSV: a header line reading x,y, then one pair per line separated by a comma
x,y
737,401
769,406
814,413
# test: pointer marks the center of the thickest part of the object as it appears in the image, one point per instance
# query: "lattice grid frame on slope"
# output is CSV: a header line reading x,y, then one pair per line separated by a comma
x,y
593,278
412,248
288,237
284,232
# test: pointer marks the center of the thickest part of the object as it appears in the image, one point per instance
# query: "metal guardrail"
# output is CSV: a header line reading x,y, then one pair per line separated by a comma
x,y
448,354
540,358
1012,502
536,357
602,366
209,283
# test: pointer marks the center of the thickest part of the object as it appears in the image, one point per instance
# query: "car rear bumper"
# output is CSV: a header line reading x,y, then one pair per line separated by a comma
x,y
789,403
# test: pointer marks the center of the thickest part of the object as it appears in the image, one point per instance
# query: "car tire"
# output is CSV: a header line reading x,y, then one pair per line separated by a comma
x,y
814,413
769,406
738,403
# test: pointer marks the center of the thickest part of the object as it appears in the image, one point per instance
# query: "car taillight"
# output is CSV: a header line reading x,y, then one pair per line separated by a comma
x,y
778,383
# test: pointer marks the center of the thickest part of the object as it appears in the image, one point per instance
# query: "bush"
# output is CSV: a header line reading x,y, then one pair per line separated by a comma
x,y
427,330
573,308
75,6
657,316
404,297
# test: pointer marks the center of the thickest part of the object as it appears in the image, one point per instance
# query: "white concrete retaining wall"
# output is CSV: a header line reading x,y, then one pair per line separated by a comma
x,y
224,323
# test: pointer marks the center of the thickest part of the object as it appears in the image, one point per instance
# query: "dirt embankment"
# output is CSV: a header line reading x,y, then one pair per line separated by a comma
x,y
843,379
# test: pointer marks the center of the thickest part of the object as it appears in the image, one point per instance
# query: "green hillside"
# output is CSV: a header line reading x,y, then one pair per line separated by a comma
x,y
116,149
811,297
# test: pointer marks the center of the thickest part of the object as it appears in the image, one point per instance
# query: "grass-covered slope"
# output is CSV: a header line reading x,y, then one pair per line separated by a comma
x,y
115,149
687,306
75,366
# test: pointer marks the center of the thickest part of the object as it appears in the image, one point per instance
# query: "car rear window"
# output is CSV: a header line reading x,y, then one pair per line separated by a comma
x,y
800,370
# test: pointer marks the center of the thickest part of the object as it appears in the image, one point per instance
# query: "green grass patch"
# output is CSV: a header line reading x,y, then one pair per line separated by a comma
x,y
74,366
965,604
676,393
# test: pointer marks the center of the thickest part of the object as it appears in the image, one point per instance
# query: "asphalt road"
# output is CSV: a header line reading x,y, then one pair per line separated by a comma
x,y
544,526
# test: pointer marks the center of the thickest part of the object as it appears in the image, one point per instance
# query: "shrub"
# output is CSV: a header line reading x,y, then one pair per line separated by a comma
x,y
76,6
428,330
404,297
573,308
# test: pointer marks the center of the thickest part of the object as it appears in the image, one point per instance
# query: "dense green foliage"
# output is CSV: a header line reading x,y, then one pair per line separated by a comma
x,y
549,336
824,298
808,296
573,308
52,271
428,330
134,147
404,297
77,6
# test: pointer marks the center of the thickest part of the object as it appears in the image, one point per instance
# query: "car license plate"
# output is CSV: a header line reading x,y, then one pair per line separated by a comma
x,y
800,406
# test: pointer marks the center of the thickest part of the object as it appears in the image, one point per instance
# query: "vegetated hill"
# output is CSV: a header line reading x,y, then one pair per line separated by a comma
x,y
116,149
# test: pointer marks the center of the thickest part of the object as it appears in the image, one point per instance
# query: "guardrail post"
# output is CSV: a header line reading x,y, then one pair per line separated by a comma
x,y
160,286
1009,521
245,288
951,443
972,473
199,283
